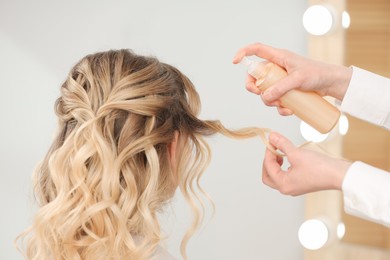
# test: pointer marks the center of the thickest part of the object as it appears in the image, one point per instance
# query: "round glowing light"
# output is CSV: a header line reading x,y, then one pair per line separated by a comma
x,y
343,125
313,234
318,20
340,230
310,134
345,20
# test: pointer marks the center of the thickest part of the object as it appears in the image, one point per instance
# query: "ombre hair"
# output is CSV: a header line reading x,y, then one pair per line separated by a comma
x,y
108,172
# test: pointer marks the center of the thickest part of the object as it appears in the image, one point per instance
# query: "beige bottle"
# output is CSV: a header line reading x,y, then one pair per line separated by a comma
x,y
308,106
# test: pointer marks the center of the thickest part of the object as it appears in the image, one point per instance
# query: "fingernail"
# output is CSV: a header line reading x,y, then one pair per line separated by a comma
x,y
267,95
236,60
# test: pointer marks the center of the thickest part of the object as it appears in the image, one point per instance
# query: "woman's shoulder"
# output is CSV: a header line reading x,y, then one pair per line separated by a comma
x,y
163,254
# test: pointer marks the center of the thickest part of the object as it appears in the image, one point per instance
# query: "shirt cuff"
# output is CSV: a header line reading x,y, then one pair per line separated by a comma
x,y
367,97
366,193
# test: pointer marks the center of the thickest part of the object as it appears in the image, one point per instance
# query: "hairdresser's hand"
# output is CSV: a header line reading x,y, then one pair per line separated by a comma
x,y
303,73
309,171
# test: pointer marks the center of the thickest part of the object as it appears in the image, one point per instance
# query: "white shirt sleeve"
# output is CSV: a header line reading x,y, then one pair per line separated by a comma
x,y
366,189
366,192
368,98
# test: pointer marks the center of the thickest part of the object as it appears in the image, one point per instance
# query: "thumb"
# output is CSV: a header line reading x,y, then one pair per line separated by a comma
x,y
279,88
281,143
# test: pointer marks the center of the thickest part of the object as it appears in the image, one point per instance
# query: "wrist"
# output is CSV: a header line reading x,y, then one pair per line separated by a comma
x,y
340,172
342,77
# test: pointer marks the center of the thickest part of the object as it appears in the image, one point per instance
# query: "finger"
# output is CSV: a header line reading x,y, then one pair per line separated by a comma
x,y
284,111
275,103
266,179
261,50
272,165
251,86
281,143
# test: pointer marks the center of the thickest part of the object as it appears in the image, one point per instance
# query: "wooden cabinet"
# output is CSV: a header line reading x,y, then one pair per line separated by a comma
x,y
365,44
368,46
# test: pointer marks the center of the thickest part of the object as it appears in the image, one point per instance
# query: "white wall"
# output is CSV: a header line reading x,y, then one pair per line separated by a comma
x,y
41,40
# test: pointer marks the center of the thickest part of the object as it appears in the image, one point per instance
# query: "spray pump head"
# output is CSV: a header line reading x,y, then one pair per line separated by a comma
x,y
254,68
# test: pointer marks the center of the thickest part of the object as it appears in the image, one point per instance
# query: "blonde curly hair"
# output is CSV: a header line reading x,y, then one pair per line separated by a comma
x,y
108,171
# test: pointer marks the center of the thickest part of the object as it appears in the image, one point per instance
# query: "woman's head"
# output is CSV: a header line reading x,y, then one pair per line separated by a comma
x,y
126,109
129,135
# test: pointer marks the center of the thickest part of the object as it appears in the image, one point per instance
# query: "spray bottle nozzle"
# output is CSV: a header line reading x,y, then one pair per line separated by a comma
x,y
254,68
246,62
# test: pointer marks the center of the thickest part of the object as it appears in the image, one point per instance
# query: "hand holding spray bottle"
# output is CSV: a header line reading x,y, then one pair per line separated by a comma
x,y
308,106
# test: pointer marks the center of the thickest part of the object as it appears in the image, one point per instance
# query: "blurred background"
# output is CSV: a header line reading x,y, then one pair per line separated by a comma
x,y
41,40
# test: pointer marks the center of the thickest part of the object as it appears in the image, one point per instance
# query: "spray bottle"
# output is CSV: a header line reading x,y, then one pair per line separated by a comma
x,y
308,106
